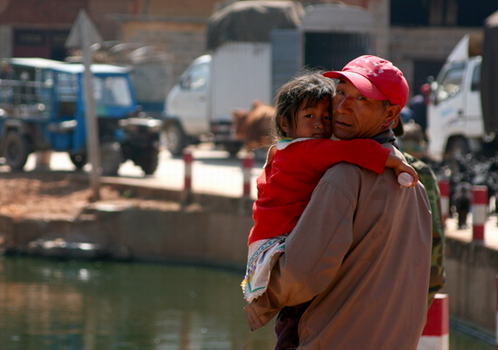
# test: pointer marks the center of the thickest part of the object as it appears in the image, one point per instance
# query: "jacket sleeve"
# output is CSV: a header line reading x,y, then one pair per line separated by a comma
x,y
314,250
367,153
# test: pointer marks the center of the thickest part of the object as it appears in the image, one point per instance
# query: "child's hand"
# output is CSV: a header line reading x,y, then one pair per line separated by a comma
x,y
399,166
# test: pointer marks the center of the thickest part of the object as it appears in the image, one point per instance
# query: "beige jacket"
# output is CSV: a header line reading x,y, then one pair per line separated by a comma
x,y
362,252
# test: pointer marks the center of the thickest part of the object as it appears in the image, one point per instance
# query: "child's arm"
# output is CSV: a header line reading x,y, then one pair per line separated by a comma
x,y
322,154
399,166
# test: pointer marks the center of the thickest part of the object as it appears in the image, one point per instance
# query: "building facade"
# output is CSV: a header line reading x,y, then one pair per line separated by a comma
x,y
417,35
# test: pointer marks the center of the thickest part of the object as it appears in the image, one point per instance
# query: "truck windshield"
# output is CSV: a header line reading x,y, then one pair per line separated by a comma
x,y
451,82
112,91
195,78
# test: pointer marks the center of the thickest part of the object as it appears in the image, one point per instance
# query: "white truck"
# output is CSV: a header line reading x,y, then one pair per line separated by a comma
x,y
254,47
455,125
461,119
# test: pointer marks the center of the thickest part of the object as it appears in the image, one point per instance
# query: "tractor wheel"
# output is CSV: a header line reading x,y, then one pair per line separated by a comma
x,y
16,150
148,160
79,160
111,158
176,140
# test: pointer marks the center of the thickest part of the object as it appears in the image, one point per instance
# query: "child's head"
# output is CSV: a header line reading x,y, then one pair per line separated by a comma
x,y
304,107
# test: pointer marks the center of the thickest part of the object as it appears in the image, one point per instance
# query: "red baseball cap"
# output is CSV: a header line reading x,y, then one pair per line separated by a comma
x,y
375,78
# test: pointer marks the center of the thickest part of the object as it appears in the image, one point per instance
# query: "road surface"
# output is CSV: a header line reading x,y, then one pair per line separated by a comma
x,y
213,172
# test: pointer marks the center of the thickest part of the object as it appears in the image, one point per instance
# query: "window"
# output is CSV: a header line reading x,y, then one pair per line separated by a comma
x,y
450,83
461,13
195,78
29,38
66,86
112,91
476,79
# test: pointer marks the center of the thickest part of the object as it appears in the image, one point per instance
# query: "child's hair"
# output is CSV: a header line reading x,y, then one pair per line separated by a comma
x,y
310,86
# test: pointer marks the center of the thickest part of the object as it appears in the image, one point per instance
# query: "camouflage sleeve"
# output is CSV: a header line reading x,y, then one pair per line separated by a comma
x,y
429,180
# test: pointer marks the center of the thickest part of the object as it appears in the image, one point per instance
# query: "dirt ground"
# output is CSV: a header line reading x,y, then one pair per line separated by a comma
x,y
58,195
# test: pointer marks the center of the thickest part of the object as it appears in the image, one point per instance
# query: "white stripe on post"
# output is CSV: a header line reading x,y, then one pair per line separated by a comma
x,y
444,189
435,335
479,211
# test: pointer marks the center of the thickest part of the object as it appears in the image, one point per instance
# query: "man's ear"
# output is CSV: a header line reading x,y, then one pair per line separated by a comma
x,y
392,111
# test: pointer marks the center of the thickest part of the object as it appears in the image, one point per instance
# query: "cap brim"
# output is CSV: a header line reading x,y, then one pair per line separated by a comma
x,y
365,86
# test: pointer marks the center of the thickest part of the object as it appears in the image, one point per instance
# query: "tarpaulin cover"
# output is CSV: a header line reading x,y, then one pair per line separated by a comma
x,y
252,21
489,74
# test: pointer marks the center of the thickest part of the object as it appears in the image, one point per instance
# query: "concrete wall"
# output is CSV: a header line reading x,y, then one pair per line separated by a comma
x,y
471,283
213,231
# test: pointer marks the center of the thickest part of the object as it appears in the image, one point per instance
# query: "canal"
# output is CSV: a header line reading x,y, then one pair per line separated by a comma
x,y
97,305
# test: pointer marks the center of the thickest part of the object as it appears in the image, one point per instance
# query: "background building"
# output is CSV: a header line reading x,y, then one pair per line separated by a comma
x,y
161,37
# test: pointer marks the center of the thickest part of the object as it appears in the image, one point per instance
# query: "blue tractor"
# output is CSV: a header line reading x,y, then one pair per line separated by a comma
x,y
42,108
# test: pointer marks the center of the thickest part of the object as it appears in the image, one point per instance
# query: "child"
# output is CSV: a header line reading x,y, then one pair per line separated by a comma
x,y
303,122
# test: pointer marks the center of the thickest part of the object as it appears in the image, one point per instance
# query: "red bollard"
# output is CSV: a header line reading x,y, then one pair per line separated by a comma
x,y
247,164
435,335
479,212
444,189
187,188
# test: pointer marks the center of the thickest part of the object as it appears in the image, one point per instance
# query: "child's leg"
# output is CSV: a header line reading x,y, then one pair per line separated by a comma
x,y
286,326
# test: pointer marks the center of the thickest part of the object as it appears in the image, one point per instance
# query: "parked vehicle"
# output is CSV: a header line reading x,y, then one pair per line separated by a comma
x,y
455,124
254,47
463,113
42,108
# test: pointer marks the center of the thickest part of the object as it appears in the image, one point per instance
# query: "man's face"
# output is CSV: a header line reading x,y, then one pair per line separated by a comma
x,y
356,116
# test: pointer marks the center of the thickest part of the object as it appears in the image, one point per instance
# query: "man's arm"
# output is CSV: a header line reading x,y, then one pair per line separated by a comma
x,y
314,249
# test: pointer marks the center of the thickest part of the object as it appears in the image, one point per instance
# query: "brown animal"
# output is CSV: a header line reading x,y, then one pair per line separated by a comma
x,y
253,126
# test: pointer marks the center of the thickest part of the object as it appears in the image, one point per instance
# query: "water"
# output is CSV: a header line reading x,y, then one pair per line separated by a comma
x,y
47,304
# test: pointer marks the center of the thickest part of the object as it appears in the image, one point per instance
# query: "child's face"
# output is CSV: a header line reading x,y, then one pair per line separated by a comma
x,y
313,121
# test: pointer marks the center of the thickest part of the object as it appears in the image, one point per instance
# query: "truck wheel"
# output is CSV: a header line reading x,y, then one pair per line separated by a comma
x,y
16,150
456,148
111,158
79,160
176,140
149,160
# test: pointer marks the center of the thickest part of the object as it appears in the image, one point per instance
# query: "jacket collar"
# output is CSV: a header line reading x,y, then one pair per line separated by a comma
x,y
387,136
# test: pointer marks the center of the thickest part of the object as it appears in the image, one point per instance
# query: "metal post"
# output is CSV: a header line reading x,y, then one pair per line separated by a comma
x,y
187,188
92,130
444,189
83,34
479,212
435,335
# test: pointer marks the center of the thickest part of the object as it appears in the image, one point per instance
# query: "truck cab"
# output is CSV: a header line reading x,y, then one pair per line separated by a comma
x,y
188,101
455,115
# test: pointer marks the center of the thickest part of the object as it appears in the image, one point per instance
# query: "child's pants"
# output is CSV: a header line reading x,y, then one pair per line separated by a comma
x,y
286,326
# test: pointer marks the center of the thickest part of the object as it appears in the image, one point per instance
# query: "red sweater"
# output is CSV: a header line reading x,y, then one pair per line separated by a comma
x,y
292,172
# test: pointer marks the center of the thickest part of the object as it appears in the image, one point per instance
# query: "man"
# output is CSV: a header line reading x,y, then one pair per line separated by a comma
x,y
360,254
418,104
